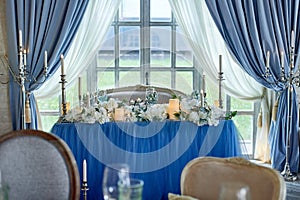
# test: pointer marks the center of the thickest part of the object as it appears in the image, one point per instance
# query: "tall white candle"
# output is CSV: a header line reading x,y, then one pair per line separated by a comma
x,y
84,177
202,98
45,60
281,60
88,99
20,38
293,39
21,67
62,64
203,84
24,57
268,59
79,85
220,63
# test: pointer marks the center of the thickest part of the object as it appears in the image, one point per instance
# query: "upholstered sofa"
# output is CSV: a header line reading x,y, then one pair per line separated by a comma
x,y
138,91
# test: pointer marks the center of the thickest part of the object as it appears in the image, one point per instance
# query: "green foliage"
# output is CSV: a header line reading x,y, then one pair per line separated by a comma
x,y
230,115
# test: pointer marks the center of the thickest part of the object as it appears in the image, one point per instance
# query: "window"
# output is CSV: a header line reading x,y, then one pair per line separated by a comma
x,y
145,42
144,45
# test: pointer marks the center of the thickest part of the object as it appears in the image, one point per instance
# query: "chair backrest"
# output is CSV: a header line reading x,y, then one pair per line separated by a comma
x,y
38,165
203,177
138,91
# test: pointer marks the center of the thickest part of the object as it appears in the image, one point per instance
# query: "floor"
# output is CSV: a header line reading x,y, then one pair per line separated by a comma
x,y
293,187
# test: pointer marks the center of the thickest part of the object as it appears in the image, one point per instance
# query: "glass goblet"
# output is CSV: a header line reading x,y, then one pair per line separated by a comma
x,y
112,175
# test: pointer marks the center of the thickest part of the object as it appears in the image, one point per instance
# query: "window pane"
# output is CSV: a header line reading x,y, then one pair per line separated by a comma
x,y
106,53
105,80
48,122
128,78
184,54
244,124
184,82
49,103
212,92
129,46
160,46
160,78
129,10
160,10
72,95
237,104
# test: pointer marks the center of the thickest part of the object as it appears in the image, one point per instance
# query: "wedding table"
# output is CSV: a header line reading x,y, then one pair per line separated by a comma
x,y
156,152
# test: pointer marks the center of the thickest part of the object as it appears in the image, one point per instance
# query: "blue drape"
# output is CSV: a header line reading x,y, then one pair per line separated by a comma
x,y
46,26
250,29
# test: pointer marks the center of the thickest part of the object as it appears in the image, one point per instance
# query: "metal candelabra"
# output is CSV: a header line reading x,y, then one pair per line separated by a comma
x,y
220,79
84,188
21,78
289,80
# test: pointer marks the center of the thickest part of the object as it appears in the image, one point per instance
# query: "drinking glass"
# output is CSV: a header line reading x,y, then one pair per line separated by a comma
x,y
133,191
234,191
112,175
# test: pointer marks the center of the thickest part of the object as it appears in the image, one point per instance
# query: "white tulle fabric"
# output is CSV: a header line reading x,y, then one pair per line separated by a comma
x,y
90,35
207,43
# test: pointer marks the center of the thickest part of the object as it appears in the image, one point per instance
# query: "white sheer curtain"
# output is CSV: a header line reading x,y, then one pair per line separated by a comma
x,y
207,43
90,35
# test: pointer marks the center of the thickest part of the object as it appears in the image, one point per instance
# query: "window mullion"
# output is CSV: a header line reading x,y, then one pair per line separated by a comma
x,y
173,56
145,40
117,54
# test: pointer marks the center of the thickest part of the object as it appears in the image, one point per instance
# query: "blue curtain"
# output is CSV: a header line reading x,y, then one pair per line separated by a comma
x,y
46,26
250,29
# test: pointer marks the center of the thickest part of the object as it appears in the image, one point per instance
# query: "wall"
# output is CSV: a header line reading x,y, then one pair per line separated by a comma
x,y
5,117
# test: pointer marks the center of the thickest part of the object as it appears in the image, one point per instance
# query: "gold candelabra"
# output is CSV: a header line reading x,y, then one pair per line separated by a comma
x,y
63,92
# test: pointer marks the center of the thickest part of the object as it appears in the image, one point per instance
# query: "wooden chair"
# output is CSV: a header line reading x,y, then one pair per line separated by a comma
x,y
202,178
38,165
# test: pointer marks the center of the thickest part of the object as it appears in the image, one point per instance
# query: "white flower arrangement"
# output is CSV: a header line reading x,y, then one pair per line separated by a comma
x,y
139,110
191,110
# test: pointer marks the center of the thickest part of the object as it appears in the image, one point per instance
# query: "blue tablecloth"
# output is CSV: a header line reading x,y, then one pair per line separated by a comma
x,y
155,151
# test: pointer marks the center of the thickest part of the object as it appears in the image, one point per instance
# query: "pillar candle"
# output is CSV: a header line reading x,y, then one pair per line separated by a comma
x,y
119,114
62,64
173,108
84,179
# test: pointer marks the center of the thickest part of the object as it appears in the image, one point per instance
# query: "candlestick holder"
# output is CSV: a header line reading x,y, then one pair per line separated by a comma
x,y
84,188
63,99
220,79
288,80
80,100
